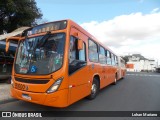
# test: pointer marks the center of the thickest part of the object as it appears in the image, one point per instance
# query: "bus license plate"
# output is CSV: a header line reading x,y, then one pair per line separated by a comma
x,y
26,96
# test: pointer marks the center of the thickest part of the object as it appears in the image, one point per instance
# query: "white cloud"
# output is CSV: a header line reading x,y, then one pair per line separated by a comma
x,y
135,32
155,10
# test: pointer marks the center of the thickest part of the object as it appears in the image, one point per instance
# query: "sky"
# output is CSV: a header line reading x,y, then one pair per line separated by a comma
x,y
125,26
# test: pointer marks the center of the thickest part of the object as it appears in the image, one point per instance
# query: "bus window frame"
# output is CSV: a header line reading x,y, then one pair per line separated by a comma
x,y
65,34
109,57
77,57
97,50
104,55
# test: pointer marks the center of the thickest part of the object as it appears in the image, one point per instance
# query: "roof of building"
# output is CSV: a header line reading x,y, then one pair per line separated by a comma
x,y
13,33
140,56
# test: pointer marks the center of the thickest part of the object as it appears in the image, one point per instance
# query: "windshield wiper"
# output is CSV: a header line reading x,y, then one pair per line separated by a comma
x,y
42,41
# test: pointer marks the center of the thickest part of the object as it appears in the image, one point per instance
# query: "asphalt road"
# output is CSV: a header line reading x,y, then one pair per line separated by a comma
x,y
136,92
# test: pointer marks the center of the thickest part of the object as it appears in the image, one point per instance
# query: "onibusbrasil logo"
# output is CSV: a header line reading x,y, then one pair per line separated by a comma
x,y
21,114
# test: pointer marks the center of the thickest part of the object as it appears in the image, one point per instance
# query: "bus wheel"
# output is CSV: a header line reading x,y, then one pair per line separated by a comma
x,y
94,89
115,80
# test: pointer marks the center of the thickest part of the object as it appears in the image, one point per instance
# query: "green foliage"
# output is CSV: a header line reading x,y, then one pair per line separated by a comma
x,y
125,59
17,13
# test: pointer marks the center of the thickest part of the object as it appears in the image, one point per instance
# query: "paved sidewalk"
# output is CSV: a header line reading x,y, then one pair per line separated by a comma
x,y
5,93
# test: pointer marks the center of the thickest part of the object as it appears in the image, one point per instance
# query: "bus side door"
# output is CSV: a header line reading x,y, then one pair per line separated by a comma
x,y
79,85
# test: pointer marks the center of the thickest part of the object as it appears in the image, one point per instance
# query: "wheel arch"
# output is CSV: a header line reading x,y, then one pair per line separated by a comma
x,y
97,77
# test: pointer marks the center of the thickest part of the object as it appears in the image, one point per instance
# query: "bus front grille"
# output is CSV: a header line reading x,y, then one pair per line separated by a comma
x,y
31,81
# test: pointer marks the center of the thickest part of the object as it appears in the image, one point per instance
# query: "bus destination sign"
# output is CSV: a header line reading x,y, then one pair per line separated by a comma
x,y
52,26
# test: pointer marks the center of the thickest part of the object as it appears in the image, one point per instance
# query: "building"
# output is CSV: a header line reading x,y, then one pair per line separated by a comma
x,y
3,37
138,63
158,69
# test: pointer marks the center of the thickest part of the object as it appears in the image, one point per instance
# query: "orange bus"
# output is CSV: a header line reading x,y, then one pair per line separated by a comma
x,y
59,63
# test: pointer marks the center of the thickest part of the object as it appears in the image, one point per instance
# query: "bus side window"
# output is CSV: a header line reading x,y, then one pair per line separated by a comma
x,y
113,59
72,49
82,53
116,61
93,51
102,57
77,58
109,62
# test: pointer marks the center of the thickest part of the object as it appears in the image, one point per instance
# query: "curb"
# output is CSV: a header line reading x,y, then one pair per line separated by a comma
x,y
8,100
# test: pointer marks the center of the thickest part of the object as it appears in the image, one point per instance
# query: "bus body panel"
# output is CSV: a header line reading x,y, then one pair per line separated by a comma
x,y
56,99
37,87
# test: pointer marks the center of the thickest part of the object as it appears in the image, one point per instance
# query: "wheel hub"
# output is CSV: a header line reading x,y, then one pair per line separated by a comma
x,y
94,88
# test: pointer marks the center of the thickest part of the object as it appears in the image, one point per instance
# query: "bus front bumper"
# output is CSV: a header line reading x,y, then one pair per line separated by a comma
x,y
56,99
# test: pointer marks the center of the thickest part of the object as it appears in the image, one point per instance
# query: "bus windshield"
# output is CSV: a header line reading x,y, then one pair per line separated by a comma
x,y
39,57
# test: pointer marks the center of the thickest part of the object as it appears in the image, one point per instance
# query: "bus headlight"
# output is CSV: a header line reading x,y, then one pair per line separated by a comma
x,y
55,86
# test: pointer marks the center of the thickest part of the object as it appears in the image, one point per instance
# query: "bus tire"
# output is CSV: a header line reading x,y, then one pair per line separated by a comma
x,y
94,89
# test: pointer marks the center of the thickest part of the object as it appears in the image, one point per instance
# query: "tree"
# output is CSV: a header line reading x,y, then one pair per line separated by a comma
x,y
41,21
126,59
17,13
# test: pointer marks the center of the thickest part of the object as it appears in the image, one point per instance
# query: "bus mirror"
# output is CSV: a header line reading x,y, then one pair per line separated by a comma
x,y
8,42
80,44
7,45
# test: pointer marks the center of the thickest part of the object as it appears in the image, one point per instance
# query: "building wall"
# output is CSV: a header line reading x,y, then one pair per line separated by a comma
x,y
140,64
